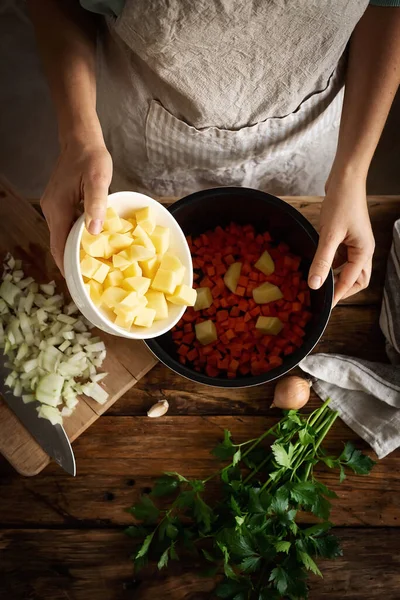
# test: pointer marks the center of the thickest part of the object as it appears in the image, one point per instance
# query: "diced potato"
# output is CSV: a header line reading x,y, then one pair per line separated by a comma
x,y
87,288
150,267
94,245
160,238
146,242
120,241
106,261
157,301
89,266
128,312
96,291
108,249
134,270
112,296
206,332
82,254
146,219
112,222
164,281
101,273
170,262
139,253
126,225
269,325
121,261
266,292
183,296
204,298
124,321
137,284
145,317
232,275
114,278
265,264
131,299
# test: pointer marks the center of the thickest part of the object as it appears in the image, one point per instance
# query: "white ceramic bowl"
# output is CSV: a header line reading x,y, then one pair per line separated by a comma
x,y
125,203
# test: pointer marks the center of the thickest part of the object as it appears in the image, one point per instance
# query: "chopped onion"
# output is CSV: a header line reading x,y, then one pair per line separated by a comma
x,y
47,348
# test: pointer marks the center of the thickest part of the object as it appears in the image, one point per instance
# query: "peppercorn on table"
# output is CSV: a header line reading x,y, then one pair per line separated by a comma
x,y
62,538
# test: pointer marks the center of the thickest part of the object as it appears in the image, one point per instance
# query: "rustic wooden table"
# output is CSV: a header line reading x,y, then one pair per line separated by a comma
x,y
61,538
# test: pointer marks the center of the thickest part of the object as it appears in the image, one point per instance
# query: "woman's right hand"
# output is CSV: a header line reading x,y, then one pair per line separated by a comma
x,y
83,172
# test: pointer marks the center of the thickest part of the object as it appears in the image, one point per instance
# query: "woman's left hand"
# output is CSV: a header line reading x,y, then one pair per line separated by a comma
x,y
346,240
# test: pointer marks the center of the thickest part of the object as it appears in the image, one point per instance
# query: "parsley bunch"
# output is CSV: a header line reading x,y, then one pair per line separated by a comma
x,y
250,533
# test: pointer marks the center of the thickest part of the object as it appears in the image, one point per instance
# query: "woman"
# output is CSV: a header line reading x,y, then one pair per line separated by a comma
x,y
222,92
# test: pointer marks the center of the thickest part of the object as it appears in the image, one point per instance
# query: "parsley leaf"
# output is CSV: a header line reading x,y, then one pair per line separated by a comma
x,y
202,513
280,579
163,560
304,492
321,508
283,546
145,510
145,546
309,563
282,456
356,460
250,564
165,486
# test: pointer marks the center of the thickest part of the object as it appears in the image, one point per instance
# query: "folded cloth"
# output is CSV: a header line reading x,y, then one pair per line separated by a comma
x,y
367,394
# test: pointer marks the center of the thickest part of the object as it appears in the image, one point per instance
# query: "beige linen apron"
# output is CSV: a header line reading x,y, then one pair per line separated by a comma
x,y
224,92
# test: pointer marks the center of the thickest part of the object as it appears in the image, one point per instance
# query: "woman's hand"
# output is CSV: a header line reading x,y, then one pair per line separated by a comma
x,y
83,172
346,239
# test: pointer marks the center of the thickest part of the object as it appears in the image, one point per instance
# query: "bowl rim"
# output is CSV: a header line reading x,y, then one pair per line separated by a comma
x,y
290,362
116,329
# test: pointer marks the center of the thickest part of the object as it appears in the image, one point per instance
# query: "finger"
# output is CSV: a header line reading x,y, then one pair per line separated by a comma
x,y
323,259
95,201
60,223
346,279
361,283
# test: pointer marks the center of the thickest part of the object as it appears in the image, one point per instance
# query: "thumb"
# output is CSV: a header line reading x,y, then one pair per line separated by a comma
x,y
323,260
95,194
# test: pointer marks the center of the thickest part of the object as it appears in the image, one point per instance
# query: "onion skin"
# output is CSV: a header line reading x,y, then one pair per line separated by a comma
x,y
292,393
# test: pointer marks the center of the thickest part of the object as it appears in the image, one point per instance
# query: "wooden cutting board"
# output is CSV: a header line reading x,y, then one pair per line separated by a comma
x,y
24,233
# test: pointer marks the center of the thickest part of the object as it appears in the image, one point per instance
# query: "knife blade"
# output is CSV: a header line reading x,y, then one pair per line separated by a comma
x,y
52,438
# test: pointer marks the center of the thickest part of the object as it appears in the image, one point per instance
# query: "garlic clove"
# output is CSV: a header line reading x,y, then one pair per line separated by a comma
x,y
158,409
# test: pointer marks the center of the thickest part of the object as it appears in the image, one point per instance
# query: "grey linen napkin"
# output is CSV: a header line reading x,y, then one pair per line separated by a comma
x,y
367,394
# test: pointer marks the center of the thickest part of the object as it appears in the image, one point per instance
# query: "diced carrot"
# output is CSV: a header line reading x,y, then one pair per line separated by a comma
x,y
230,334
188,328
224,303
298,331
247,317
243,281
243,305
288,350
240,291
234,365
188,338
229,259
182,360
275,361
235,312
183,350
222,315
206,282
192,355
253,276
246,268
255,312
296,306
240,326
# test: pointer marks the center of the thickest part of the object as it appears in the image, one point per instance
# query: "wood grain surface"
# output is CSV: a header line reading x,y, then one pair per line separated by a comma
x,y
61,538
24,233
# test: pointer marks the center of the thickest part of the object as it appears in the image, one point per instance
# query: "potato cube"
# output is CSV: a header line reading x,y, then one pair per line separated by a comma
x,y
94,245
112,222
183,296
146,242
124,321
126,225
114,278
160,238
82,254
232,275
139,253
146,219
89,266
121,261
101,273
150,267
120,241
145,317
137,284
96,291
134,270
112,296
164,281
266,292
170,262
108,249
87,288
269,325
265,264
157,301
131,299
206,332
128,312
204,298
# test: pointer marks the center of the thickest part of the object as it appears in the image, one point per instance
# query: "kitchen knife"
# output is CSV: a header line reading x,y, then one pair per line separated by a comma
x,y
52,438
